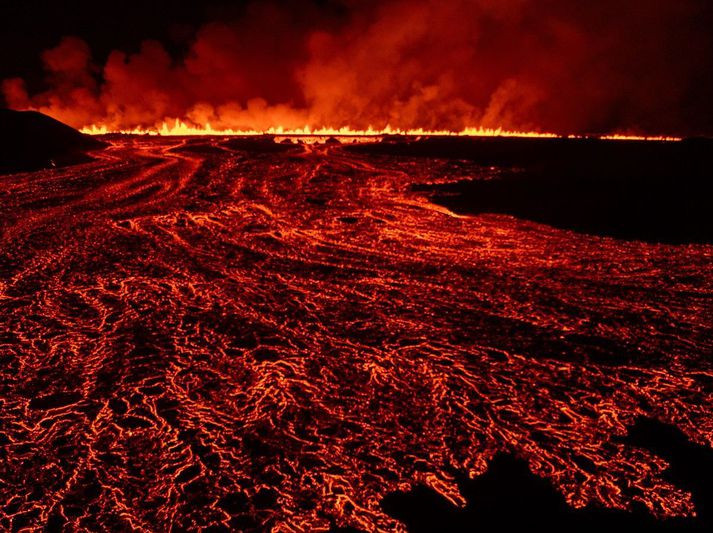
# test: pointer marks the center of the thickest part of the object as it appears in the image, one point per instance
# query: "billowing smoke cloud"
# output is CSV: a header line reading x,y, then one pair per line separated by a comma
x,y
552,65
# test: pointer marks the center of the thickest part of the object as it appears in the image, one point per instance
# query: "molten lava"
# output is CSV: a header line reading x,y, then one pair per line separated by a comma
x,y
179,128
194,335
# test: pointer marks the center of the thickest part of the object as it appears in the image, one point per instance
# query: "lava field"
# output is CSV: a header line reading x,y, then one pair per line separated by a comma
x,y
212,334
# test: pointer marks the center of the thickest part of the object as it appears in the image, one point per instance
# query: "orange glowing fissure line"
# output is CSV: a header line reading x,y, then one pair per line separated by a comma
x,y
179,128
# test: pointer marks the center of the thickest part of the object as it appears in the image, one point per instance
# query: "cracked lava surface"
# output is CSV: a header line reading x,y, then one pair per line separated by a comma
x,y
193,336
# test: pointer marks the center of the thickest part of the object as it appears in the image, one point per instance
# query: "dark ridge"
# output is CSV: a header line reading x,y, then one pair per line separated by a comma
x,y
394,138
547,152
32,141
691,464
508,497
650,191
264,144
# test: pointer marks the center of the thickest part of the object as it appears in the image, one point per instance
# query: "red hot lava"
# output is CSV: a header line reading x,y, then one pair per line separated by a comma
x,y
194,336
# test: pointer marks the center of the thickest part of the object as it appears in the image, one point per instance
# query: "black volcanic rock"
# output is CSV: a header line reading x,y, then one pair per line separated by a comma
x,y
394,138
509,497
262,144
31,141
640,190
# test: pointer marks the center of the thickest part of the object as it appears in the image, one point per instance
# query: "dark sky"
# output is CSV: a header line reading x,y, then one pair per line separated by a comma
x,y
30,27
555,65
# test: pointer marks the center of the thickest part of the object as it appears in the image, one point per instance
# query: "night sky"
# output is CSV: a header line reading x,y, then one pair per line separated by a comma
x,y
632,66
30,27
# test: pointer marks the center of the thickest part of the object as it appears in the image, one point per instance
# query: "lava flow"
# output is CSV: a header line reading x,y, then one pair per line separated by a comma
x,y
195,336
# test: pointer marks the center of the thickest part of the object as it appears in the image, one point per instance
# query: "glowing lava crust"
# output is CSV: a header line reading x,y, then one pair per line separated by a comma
x,y
195,336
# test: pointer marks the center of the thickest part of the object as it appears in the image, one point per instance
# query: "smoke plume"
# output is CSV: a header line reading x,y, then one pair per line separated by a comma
x,y
639,66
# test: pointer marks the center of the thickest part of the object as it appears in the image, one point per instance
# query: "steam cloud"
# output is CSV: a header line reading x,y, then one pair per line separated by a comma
x,y
640,66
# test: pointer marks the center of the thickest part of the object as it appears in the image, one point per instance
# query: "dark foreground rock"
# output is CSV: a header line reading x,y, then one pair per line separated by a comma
x,y
33,141
650,191
508,497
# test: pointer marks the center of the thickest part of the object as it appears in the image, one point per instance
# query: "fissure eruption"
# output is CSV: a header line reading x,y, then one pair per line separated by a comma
x,y
514,66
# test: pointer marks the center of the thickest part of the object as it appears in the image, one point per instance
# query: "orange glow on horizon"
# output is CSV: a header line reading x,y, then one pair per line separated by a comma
x,y
620,137
179,128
